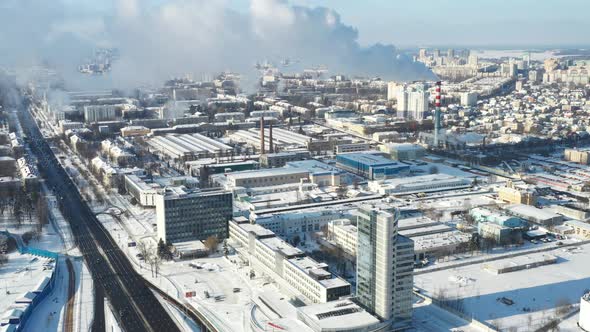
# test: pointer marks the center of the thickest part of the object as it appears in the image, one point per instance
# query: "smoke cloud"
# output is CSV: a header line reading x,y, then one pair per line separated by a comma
x,y
195,37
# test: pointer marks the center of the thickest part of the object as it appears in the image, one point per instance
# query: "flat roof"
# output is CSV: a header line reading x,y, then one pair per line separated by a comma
x,y
314,166
438,228
258,230
340,314
531,211
276,244
266,173
310,266
369,158
425,242
577,223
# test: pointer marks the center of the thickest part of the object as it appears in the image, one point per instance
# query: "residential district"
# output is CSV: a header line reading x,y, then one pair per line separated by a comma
x,y
319,202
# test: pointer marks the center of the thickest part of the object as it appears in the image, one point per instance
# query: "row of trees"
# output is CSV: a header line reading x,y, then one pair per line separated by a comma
x,y
24,207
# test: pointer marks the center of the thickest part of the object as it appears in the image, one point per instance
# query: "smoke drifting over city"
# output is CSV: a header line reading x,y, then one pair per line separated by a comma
x,y
182,37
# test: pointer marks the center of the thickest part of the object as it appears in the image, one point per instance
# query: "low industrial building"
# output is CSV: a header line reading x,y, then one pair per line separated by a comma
x,y
581,229
574,211
371,165
403,151
280,159
186,147
320,173
419,184
266,177
208,166
534,215
439,244
520,263
498,233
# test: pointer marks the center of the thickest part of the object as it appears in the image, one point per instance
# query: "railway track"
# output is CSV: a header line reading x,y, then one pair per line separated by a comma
x,y
69,314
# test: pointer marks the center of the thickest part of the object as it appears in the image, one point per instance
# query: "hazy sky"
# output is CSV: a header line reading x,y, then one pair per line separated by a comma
x,y
159,39
464,22
452,22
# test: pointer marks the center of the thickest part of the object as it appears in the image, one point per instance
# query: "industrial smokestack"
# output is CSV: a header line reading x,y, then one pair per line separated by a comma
x,y
437,115
262,146
271,147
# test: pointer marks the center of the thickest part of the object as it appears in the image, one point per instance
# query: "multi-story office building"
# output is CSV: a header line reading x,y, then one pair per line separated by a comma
x,y
384,265
577,156
144,193
184,215
518,193
295,273
343,234
95,113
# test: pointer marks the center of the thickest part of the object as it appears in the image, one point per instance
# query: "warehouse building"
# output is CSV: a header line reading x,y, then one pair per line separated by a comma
x,y
186,147
266,178
403,151
535,215
372,165
419,184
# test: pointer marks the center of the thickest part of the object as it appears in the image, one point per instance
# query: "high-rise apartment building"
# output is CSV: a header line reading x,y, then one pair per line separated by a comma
x,y
412,102
385,262
418,102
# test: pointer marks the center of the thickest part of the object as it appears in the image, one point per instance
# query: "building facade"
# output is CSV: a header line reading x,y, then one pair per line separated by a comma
x,y
381,288
188,216
518,194
294,272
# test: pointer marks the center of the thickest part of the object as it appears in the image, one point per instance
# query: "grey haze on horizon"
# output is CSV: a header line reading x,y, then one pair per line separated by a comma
x,y
162,39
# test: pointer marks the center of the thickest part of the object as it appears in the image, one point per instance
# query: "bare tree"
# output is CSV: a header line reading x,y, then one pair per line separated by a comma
x,y
144,250
563,306
211,243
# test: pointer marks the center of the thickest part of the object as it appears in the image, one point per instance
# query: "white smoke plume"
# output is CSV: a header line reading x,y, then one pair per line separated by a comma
x,y
178,37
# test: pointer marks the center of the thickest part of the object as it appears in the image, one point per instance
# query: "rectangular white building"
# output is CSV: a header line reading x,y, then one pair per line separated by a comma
x,y
295,273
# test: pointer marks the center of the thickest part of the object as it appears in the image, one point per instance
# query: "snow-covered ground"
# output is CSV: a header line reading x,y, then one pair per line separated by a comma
x,y
535,292
430,318
48,315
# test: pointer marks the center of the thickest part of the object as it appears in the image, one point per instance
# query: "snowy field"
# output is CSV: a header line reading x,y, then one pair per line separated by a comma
x,y
535,292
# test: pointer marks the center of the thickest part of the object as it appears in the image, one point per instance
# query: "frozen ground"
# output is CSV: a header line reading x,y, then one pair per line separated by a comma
x,y
430,318
535,292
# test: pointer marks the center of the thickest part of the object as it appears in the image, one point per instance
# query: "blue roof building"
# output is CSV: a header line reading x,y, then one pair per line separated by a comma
x,y
372,165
